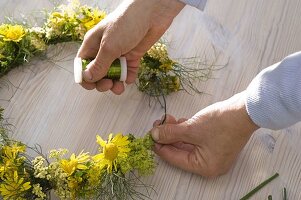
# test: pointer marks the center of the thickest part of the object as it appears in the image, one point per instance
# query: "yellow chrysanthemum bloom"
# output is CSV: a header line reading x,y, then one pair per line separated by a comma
x,y
75,162
13,187
112,150
13,33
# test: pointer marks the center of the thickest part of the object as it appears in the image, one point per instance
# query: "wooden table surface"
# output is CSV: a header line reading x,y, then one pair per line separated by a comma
x,y
47,107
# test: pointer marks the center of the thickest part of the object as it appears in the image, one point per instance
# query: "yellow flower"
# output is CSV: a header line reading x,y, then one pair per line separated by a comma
x,y
159,52
57,154
13,187
94,173
73,183
11,152
166,67
177,83
11,159
70,165
114,149
2,171
56,19
56,15
13,33
92,17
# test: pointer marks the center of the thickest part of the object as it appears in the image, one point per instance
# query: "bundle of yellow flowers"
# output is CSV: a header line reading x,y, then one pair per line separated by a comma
x,y
17,45
70,22
113,173
159,75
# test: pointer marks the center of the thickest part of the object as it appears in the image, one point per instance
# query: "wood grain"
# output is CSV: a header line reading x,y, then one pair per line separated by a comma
x,y
46,107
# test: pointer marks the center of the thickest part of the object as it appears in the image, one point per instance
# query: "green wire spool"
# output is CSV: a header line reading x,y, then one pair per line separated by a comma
x,y
117,71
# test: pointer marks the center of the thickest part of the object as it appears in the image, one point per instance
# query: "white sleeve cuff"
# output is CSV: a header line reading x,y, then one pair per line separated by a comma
x,y
273,98
199,4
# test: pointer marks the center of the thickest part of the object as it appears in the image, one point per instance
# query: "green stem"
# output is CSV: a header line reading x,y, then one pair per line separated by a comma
x,y
261,185
284,194
114,72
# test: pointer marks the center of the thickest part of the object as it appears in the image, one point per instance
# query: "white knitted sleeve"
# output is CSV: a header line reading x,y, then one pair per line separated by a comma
x,y
200,4
273,98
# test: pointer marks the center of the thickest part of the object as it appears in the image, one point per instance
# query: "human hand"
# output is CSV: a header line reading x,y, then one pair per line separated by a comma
x,y
208,143
128,31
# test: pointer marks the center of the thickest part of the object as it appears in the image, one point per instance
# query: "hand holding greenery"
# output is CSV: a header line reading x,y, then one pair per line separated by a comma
x,y
110,174
158,75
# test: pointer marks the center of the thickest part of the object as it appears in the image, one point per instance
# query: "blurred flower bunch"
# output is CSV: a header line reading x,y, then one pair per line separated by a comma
x,y
18,43
159,75
113,173
71,22
155,75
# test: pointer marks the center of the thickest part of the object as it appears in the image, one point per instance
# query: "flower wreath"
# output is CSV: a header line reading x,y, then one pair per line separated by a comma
x,y
114,172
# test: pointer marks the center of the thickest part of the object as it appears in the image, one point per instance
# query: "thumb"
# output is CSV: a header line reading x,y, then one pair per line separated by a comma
x,y
98,68
170,133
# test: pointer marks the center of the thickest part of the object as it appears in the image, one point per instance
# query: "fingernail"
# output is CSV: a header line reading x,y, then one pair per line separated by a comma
x,y
87,75
155,134
158,146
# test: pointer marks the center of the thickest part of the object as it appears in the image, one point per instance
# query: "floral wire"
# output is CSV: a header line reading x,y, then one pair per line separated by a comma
x,y
164,101
165,109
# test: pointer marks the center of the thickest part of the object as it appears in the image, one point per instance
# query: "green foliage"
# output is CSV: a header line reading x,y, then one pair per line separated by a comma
x,y
141,157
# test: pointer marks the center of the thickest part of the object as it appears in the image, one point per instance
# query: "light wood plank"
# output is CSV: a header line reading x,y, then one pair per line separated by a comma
x,y
46,107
